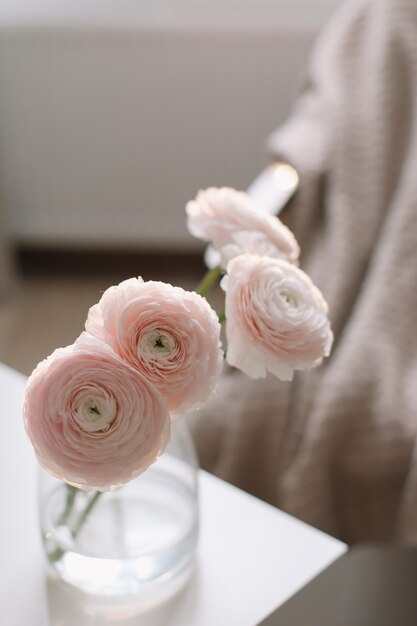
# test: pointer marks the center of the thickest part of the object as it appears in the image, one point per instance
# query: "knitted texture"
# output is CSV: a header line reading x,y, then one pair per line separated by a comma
x,y
337,447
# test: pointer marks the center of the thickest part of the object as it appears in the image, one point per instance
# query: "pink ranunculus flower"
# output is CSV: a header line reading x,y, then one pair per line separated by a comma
x,y
233,223
93,421
170,336
276,318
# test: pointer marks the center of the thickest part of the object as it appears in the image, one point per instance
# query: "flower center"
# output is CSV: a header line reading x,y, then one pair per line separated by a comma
x,y
94,409
289,298
95,414
159,343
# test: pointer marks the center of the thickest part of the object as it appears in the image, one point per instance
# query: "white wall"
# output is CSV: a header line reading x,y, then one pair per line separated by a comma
x,y
114,113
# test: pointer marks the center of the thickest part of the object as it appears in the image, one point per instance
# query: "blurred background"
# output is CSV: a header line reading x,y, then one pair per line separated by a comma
x,y
113,113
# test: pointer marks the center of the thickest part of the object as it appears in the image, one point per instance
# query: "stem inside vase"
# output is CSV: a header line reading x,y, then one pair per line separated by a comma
x,y
72,492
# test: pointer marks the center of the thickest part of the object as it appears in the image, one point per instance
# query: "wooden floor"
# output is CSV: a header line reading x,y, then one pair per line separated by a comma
x,y
48,305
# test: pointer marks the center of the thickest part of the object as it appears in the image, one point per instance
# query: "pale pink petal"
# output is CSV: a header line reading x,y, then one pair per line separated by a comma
x,y
235,225
93,421
276,318
169,335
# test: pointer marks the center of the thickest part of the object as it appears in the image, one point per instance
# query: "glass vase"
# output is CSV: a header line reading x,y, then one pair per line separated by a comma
x,y
135,543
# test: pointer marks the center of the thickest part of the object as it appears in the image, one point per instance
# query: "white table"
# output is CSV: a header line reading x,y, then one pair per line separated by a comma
x,y
252,557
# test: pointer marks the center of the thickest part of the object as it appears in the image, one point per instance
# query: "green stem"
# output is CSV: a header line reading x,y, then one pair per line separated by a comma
x,y
86,513
222,316
208,281
54,556
71,493
59,552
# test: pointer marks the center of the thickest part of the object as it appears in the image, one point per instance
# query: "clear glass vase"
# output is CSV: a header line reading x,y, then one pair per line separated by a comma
x,y
135,543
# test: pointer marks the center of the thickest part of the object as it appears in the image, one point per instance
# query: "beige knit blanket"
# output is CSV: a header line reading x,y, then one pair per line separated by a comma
x,y
338,446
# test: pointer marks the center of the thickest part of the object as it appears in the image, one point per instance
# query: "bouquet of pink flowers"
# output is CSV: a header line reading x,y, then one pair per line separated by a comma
x,y
98,412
